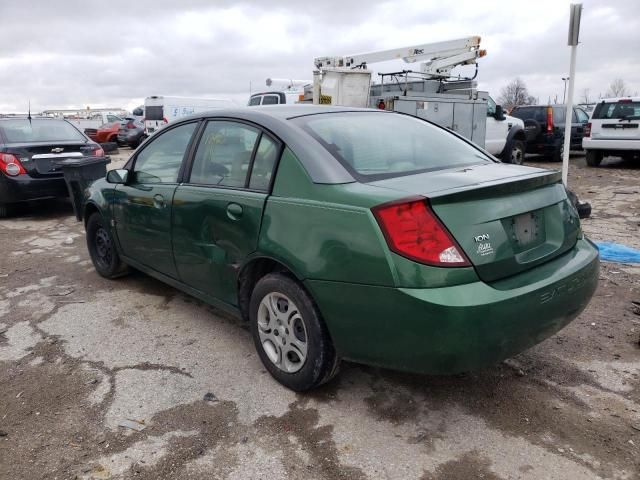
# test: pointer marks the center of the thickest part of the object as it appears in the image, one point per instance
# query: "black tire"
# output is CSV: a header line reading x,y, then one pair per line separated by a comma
x,y
321,362
594,158
514,152
556,156
102,249
109,147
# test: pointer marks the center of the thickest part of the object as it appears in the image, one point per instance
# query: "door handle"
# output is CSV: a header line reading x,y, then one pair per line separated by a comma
x,y
158,201
234,211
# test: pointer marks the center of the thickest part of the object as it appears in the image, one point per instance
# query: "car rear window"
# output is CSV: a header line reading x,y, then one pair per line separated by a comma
x,y
154,113
375,145
535,113
21,130
617,110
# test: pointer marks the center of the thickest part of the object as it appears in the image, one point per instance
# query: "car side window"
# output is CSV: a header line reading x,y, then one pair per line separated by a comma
x,y
264,164
491,107
112,118
253,101
270,100
224,154
160,160
582,116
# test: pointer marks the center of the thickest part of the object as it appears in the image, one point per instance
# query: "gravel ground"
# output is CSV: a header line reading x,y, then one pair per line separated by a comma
x,y
79,355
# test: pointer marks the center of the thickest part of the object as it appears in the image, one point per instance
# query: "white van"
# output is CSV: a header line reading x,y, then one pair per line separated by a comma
x,y
160,110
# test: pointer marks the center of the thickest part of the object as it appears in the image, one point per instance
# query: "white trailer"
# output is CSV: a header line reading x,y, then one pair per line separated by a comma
x,y
160,110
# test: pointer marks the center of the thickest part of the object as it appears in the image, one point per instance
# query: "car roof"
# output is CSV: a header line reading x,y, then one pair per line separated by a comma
x,y
321,166
617,99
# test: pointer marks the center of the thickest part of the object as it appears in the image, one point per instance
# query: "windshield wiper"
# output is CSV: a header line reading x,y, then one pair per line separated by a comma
x,y
629,117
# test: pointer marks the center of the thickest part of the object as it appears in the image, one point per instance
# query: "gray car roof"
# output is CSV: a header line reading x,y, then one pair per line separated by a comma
x,y
321,166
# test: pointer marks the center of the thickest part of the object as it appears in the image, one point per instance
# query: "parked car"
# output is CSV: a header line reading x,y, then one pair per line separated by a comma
x,y
360,234
545,126
131,132
613,129
107,132
29,150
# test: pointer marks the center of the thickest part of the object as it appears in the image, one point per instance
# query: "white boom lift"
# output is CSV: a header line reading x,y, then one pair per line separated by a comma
x,y
346,80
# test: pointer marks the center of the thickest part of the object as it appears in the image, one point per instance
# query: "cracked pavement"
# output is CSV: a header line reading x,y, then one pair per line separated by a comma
x,y
80,354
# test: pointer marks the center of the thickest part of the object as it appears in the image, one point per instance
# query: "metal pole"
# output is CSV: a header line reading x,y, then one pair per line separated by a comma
x,y
568,117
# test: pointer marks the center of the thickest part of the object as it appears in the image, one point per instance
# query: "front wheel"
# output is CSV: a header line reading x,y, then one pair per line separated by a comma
x,y
291,339
594,157
102,250
514,153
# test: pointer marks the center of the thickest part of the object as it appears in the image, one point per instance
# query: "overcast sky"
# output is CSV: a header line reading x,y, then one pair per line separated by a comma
x,y
70,53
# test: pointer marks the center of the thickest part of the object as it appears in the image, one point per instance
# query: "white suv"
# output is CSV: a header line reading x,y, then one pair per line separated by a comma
x,y
613,129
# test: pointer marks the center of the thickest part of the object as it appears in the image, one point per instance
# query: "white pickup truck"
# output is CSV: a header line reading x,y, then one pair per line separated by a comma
x,y
505,136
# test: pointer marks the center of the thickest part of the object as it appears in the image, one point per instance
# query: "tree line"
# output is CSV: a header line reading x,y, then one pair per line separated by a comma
x,y
516,93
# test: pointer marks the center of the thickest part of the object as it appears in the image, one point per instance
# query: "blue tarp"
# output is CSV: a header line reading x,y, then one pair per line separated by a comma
x,y
614,252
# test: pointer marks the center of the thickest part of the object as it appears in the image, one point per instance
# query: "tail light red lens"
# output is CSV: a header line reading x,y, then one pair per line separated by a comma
x,y
413,231
549,119
10,165
587,130
98,152
130,125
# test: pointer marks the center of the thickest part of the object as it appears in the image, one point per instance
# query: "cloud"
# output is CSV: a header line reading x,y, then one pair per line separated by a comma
x,y
76,53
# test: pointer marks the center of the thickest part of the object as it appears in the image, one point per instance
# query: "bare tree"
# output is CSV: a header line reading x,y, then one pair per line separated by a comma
x,y
618,88
515,93
585,96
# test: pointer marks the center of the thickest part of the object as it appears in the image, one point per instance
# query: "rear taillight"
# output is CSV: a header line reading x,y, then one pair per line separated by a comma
x,y
10,165
587,130
165,120
413,231
130,125
98,152
549,119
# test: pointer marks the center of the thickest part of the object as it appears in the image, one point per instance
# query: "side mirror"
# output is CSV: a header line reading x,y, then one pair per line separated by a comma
x,y
117,176
499,115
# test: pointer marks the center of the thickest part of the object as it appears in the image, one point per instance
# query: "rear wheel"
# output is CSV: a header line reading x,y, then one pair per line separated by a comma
x,y
594,157
514,153
291,339
102,250
557,154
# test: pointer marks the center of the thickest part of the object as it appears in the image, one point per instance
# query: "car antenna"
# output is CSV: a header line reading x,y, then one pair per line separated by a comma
x,y
29,112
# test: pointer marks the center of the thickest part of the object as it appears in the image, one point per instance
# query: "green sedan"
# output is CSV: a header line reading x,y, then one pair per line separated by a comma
x,y
351,234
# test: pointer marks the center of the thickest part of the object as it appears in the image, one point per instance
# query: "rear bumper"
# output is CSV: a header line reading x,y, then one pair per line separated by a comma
x,y
459,328
589,143
23,188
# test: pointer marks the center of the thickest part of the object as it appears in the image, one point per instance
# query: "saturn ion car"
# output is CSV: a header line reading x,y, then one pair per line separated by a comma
x,y
337,233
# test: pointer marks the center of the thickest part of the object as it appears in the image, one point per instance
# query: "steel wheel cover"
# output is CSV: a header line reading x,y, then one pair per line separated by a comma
x,y
282,332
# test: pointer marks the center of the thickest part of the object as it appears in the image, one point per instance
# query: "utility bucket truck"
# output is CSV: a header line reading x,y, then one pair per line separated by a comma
x,y
430,92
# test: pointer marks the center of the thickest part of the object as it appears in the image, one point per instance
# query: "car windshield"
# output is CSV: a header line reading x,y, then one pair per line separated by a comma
x,y
619,110
375,145
21,130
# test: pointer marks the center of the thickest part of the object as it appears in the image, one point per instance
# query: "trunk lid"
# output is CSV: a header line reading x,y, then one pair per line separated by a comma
x,y
506,218
40,160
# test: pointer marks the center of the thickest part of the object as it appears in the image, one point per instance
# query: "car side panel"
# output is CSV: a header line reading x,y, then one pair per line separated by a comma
x,y
318,233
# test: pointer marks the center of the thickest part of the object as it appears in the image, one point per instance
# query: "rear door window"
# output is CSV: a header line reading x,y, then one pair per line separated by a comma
x,y
264,164
271,100
582,116
224,154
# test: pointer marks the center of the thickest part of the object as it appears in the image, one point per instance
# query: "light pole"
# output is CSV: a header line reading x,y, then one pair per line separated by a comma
x,y
564,95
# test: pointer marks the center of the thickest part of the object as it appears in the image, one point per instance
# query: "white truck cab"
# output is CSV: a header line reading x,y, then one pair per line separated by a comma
x,y
505,136
613,130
